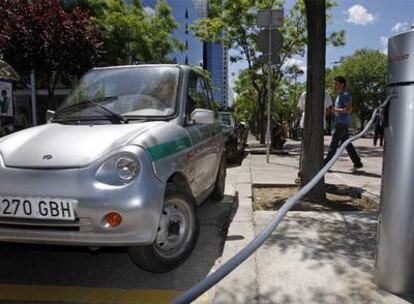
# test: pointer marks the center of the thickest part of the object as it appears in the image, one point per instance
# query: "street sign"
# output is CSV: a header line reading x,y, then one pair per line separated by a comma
x,y
269,41
263,59
276,19
263,40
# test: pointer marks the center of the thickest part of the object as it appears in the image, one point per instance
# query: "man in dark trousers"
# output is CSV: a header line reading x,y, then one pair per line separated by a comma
x,y
379,124
342,110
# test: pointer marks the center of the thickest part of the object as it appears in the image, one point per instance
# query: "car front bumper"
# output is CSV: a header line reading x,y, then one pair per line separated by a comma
x,y
139,203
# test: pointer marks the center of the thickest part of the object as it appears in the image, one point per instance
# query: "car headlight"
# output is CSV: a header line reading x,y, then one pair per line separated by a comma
x,y
126,168
119,169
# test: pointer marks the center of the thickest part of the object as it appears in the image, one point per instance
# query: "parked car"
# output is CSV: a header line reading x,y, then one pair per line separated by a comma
x,y
235,134
125,161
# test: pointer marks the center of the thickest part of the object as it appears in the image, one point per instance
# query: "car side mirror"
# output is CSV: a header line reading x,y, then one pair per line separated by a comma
x,y
50,115
203,116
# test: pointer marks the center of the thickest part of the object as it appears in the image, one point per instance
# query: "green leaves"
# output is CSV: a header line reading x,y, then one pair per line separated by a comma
x,y
130,34
365,72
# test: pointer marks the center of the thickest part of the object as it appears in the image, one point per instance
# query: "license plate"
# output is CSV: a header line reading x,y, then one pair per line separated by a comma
x,y
37,208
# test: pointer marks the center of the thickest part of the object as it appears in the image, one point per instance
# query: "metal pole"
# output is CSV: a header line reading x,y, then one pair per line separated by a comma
x,y
33,94
269,79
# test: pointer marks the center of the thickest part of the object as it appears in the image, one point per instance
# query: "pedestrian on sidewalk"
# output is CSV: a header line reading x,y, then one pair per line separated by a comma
x,y
4,102
379,124
342,110
301,107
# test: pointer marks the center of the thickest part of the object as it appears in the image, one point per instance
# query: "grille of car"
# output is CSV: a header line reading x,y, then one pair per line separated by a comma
x,y
54,225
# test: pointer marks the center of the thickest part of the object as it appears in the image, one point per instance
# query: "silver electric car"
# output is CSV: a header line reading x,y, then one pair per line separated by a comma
x,y
125,161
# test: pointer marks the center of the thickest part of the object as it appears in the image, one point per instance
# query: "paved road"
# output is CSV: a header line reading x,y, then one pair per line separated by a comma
x,y
73,275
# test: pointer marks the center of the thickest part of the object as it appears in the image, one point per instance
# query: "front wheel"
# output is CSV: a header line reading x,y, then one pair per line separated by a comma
x,y
176,236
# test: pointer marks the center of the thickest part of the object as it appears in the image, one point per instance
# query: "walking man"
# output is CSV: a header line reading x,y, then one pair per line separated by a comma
x,y
342,110
379,128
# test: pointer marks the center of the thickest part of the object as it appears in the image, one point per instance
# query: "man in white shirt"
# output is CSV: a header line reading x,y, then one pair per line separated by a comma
x,y
301,106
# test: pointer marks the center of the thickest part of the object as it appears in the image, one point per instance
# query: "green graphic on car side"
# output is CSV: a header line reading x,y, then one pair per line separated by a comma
x,y
168,148
160,151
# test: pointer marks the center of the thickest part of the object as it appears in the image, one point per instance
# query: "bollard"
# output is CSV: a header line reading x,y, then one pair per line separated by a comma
x,y
395,252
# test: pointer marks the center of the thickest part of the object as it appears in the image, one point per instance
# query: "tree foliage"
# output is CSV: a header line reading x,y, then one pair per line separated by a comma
x,y
233,22
40,35
285,100
130,34
365,71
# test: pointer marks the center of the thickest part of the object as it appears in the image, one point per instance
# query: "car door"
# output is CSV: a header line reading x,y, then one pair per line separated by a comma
x,y
217,140
201,134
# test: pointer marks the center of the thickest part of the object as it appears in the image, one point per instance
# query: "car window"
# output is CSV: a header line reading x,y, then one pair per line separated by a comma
x,y
137,91
226,120
197,96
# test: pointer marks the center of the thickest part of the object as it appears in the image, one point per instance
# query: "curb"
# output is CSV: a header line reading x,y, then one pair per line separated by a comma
x,y
208,297
240,286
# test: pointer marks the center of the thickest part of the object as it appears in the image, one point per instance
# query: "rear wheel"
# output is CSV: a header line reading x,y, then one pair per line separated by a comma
x,y
232,152
176,236
220,183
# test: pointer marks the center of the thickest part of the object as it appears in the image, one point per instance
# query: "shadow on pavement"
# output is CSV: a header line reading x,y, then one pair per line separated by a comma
x,y
342,249
111,267
342,189
370,151
357,172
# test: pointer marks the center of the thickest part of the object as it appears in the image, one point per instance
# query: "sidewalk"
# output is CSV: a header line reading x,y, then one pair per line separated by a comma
x,y
283,169
313,257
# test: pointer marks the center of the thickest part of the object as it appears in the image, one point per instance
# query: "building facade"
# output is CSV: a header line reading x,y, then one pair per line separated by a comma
x,y
211,56
217,65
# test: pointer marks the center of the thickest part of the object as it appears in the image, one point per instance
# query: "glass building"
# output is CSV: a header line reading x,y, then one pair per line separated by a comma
x,y
216,64
211,56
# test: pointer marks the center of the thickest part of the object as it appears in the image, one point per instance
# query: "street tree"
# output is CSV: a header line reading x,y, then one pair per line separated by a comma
x,y
129,33
39,35
233,22
245,103
313,140
284,100
365,71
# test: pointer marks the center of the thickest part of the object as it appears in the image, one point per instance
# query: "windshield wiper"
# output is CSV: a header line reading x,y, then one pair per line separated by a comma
x,y
94,101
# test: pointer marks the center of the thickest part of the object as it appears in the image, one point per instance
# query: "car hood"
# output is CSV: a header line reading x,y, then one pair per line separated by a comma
x,y
66,146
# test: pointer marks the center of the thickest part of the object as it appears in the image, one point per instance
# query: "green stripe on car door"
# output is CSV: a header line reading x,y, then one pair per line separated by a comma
x,y
200,133
168,148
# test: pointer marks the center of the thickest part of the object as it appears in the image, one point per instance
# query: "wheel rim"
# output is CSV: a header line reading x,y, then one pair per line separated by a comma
x,y
175,230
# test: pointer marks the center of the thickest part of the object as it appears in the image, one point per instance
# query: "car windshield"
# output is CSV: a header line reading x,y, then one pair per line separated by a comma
x,y
226,120
145,91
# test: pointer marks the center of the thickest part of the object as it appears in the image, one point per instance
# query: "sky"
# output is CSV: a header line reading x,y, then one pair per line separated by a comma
x,y
367,23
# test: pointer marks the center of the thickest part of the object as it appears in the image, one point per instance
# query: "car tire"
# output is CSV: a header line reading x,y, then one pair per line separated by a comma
x,y
176,237
220,183
232,152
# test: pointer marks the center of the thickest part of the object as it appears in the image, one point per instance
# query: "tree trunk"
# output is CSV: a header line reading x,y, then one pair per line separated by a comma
x,y
315,86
